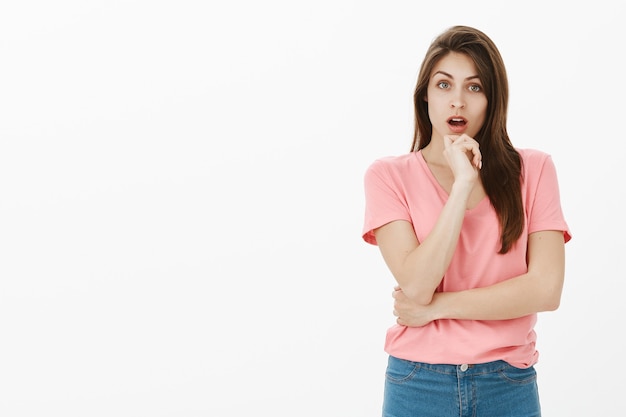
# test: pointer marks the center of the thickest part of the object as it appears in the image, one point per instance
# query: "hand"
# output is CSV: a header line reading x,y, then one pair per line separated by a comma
x,y
408,312
463,156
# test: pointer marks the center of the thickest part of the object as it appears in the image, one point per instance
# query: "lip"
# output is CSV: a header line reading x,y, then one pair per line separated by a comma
x,y
461,118
454,128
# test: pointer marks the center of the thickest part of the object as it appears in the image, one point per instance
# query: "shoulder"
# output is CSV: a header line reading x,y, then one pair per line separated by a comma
x,y
534,160
393,170
532,156
537,168
397,163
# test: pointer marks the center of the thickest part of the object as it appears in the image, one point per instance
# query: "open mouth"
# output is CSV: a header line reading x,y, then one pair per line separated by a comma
x,y
457,121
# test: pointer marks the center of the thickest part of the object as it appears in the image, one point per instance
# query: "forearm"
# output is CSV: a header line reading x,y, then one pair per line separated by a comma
x,y
425,266
513,298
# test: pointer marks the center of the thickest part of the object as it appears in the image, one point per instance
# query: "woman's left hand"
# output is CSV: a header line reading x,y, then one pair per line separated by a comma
x,y
408,312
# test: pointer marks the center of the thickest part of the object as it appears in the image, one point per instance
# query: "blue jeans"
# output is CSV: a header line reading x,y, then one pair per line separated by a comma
x,y
493,389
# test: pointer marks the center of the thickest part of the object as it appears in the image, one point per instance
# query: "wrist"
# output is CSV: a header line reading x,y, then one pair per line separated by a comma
x,y
440,306
462,187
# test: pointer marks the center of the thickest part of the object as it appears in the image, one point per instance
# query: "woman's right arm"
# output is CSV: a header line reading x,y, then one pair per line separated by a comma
x,y
419,267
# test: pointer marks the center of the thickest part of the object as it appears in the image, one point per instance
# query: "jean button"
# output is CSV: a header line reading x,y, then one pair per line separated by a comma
x,y
464,367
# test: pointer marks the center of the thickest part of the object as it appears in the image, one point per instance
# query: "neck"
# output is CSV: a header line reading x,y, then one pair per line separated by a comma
x,y
433,154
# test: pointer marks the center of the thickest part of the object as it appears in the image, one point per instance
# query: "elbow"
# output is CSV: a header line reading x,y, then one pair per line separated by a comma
x,y
418,296
547,289
423,299
552,302
551,305
417,289
551,298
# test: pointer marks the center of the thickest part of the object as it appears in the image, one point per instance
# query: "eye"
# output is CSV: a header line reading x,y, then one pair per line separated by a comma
x,y
443,84
475,88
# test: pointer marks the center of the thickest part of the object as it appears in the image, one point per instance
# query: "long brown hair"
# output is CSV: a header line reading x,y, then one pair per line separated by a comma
x,y
501,173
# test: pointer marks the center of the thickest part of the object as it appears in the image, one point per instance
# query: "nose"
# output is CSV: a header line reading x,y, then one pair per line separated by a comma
x,y
457,101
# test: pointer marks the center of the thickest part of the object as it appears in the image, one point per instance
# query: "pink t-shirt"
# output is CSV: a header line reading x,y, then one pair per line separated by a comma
x,y
404,188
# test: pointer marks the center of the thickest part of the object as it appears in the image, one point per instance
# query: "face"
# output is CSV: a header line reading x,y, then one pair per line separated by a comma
x,y
456,101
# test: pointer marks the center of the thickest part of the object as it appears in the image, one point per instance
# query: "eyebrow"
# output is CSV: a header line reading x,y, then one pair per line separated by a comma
x,y
471,77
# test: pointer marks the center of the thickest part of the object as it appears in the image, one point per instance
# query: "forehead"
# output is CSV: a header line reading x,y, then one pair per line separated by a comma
x,y
455,64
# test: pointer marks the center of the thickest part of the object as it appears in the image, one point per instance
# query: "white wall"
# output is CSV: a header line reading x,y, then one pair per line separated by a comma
x,y
181,199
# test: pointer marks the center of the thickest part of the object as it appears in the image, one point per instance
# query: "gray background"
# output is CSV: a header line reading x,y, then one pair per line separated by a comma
x,y
181,199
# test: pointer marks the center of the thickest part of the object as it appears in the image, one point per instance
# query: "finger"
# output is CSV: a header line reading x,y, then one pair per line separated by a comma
x,y
471,145
468,144
478,157
449,139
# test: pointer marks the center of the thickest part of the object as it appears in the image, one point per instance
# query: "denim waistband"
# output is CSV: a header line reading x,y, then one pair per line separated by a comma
x,y
467,369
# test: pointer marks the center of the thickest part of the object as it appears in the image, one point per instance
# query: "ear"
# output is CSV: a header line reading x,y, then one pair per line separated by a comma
x,y
426,98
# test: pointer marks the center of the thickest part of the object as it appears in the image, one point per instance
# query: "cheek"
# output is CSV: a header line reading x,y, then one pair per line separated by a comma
x,y
434,112
434,104
479,121
481,110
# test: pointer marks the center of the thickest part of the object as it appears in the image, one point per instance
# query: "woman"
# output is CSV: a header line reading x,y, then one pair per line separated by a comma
x,y
473,232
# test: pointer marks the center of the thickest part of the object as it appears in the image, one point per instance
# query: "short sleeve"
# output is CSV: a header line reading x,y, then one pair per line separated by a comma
x,y
384,201
545,211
